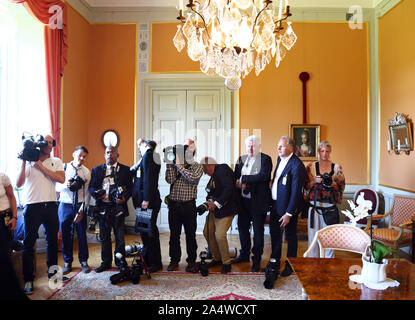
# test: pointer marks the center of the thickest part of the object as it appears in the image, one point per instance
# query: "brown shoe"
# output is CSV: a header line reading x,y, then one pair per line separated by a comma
x,y
191,267
173,266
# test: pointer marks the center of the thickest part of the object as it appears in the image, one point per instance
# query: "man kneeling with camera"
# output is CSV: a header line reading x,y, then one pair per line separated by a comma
x,y
221,204
73,200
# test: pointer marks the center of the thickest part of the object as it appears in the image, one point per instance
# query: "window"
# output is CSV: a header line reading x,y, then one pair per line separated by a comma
x,y
23,90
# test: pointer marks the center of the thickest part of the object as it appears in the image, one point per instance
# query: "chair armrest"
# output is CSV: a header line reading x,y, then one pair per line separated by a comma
x,y
406,224
377,217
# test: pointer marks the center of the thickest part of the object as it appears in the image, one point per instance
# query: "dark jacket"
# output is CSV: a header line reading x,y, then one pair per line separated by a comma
x,y
123,178
146,178
258,181
224,190
291,185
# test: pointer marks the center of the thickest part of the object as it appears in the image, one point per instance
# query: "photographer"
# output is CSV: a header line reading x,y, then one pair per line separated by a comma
x,y
73,201
221,203
111,186
183,175
324,191
253,174
39,179
146,195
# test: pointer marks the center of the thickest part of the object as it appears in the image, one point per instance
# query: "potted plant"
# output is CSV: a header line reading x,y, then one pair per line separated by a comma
x,y
374,263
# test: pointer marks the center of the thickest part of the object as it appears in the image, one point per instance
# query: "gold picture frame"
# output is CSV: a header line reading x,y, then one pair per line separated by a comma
x,y
307,138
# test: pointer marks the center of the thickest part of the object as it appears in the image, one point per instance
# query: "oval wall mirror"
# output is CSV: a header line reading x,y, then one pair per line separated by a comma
x,y
110,138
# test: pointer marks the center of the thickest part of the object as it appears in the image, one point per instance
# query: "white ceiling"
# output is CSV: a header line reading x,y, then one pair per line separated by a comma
x,y
174,3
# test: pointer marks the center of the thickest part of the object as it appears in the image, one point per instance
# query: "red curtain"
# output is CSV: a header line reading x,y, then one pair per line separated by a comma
x,y
56,49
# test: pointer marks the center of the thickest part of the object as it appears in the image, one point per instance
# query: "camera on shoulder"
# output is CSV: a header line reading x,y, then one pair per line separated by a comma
x,y
31,147
178,151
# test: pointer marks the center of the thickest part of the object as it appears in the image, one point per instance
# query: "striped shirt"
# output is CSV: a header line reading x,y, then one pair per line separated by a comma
x,y
185,187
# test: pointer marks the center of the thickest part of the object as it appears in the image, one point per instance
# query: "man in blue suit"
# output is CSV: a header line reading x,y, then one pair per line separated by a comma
x,y
287,202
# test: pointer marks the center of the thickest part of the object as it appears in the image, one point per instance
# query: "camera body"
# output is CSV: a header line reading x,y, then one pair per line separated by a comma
x,y
204,206
171,153
203,268
76,183
326,182
31,148
116,193
93,213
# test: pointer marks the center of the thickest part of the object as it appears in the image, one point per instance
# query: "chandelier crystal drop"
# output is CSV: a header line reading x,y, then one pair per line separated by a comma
x,y
230,38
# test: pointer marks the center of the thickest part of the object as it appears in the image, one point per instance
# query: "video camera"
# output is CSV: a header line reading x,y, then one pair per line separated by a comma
x,y
31,147
171,154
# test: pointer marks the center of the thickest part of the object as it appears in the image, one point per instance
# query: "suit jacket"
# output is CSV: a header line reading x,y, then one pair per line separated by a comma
x,y
224,190
146,178
123,177
290,187
257,181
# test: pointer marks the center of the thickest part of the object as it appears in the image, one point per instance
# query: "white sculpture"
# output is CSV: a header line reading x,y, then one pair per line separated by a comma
x,y
360,211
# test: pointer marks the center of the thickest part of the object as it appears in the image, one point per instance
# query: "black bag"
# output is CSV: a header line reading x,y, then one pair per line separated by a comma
x,y
330,215
143,221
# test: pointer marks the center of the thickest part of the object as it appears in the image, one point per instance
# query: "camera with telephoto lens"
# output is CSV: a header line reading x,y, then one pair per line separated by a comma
x,y
203,268
116,193
171,153
204,206
326,182
93,214
76,183
31,147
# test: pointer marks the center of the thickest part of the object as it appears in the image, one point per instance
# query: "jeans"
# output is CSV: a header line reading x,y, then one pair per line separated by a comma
x,y
46,214
182,215
245,216
66,217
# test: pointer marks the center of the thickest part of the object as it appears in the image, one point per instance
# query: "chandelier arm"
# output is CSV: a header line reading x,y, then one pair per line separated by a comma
x,y
203,19
256,19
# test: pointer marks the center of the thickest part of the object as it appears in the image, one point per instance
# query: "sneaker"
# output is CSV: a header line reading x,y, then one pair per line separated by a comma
x,y
84,266
28,287
226,268
173,266
67,267
191,267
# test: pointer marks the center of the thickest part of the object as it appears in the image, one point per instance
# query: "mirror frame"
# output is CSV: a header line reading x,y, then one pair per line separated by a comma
x,y
109,131
400,122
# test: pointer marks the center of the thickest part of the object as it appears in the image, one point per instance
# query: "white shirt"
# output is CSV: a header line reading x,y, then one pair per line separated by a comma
x,y
4,200
38,187
246,171
66,195
280,169
107,181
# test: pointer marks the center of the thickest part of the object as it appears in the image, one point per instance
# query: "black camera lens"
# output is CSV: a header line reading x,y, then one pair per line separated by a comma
x,y
202,208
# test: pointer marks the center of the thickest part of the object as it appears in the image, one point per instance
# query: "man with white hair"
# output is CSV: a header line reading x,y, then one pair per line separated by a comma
x,y
253,174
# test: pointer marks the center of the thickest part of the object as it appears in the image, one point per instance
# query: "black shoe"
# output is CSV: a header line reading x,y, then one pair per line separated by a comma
x,y
214,263
287,270
59,278
271,275
153,269
192,268
226,268
255,267
240,259
102,268
173,266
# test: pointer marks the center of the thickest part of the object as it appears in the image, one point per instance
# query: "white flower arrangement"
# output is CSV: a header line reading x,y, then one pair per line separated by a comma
x,y
360,211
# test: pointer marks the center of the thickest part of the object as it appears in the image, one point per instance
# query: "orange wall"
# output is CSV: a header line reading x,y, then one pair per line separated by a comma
x,y
336,58
397,90
99,87
75,85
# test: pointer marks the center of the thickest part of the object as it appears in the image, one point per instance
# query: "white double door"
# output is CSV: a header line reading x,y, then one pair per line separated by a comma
x,y
189,114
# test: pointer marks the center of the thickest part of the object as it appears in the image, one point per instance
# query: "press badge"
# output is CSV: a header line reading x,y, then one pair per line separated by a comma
x,y
111,180
284,180
139,173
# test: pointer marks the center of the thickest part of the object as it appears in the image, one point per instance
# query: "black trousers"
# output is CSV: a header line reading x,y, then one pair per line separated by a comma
x,y
182,215
45,213
107,223
276,236
151,243
247,215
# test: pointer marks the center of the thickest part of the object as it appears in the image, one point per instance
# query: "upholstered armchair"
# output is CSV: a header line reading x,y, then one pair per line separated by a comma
x,y
398,234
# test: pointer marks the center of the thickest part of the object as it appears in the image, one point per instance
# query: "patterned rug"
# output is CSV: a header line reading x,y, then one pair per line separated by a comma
x,y
178,286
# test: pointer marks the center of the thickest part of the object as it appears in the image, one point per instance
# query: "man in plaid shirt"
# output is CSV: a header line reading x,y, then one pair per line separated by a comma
x,y
183,177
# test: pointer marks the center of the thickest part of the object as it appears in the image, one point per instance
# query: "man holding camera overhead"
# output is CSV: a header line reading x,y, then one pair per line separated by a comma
x,y
111,186
183,174
39,179
73,201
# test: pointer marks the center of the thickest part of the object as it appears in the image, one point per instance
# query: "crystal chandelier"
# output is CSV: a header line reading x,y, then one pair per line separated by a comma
x,y
231,38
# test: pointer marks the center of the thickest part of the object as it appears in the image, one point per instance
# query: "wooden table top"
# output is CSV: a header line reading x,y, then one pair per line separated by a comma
x,y
328,279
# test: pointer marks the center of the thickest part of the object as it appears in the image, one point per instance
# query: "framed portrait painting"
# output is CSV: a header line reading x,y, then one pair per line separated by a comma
x,y
307,138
